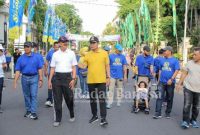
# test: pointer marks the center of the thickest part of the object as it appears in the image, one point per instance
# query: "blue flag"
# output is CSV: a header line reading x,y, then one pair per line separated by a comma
x,y
46,24
31,12
16,11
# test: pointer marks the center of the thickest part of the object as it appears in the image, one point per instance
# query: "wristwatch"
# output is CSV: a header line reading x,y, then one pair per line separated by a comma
x,y
74,79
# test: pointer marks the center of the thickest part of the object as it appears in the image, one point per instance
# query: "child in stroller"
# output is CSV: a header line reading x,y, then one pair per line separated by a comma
x,y
141,101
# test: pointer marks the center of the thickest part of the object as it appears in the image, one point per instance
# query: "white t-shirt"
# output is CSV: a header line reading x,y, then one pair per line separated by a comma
x,y
63,61
192,81
2,61
144,90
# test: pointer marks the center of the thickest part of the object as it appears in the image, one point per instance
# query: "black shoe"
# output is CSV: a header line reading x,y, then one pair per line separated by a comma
x,y
146,110
93,119
157,116
34,116
27,114
103,122
167,116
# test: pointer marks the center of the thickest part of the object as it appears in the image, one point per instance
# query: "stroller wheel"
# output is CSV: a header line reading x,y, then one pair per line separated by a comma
x,y
146,112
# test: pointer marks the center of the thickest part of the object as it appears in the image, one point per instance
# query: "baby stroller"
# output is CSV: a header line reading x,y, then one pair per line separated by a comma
x,y
141,103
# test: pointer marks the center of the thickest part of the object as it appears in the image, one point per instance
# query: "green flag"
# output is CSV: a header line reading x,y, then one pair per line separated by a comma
x,y
174,16
139,26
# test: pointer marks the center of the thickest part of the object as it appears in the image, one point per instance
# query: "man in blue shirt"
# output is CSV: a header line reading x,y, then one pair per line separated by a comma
x,y
157,62
36,51
144,63
30,66
49,101
169,68
118,72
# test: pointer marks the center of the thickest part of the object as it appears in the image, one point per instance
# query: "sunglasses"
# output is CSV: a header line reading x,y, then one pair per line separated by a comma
x,y
92,43
27,46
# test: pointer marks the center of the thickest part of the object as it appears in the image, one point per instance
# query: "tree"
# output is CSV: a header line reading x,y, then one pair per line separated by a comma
x,y
38,19
110,29
166,20
69,15
2,2
85,43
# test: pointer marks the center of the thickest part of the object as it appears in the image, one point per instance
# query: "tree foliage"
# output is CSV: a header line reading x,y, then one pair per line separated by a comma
x,y
85,43
166,20
110,29
69,15
2,2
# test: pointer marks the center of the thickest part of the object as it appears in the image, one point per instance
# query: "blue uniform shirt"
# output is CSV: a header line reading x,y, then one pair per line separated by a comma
x,y
41,58
157,63
49,58
143,63
168,66
117,61
29,64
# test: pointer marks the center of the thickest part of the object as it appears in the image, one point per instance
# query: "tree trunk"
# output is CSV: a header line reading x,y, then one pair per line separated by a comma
x,y
191,18
196,16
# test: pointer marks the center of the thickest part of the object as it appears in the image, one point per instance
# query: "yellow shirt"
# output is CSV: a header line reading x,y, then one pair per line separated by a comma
x,y
96,62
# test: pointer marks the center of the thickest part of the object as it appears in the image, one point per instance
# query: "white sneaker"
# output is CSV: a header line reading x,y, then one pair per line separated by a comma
x,y
72,119
83,96
56,124
118,104
49,104
1,110
88,96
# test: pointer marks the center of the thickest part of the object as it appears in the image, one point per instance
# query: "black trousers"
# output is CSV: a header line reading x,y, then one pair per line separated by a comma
x,y
100,90
61,89
191,105
1,88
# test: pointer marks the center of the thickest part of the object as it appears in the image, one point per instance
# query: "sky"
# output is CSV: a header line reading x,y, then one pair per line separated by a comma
x,y
94,13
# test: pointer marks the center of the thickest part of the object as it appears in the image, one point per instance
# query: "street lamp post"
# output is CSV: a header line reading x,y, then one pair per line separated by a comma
x,y
5,35
185,52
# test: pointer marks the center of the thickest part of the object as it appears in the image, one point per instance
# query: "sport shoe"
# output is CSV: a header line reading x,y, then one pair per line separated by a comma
x,y
118,104
27,114
185,125
103,122
147,110
167,116
93,119
137,110
194,124
108,106
1,110
157,116
72,119
49,104
56,124
34,116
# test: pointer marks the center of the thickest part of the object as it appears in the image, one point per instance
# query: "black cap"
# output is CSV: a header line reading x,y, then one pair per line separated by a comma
x,y
94,39
146,48
161,51
63,39
34,44
169,48
29,44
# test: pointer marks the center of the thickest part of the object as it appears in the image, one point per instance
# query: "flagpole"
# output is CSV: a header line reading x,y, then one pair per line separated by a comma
x,y
185,52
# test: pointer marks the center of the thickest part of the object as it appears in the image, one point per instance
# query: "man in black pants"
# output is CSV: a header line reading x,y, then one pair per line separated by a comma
x,y
63,65
97,62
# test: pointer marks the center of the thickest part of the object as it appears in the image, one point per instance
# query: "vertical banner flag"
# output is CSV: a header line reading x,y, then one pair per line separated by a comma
x,y
46,24
31,12
174,16
16,10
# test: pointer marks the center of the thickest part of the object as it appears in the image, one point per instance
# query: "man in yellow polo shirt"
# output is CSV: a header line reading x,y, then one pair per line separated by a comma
x,y
97,61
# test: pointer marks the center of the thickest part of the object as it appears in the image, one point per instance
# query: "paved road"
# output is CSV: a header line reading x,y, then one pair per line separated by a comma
x,y
121,121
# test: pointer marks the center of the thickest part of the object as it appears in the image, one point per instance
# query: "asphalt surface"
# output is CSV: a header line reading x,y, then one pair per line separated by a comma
x,y
121,120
